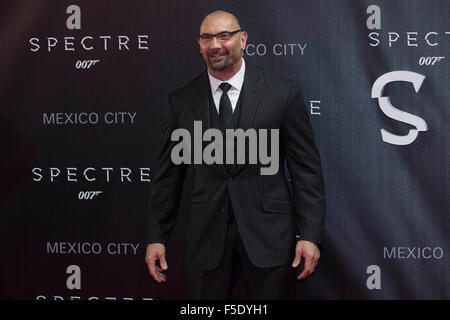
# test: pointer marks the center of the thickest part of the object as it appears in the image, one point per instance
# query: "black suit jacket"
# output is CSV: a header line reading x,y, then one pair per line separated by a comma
x,y
269,209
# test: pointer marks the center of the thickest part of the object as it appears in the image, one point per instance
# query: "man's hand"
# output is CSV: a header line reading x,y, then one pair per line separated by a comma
x,y
310,252
155,252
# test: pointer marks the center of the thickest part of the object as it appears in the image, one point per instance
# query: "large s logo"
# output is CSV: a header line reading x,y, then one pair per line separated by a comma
x,y
385,104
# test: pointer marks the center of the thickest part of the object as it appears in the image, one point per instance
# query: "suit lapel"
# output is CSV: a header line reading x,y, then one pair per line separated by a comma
x,y
201,112
200,101
251,91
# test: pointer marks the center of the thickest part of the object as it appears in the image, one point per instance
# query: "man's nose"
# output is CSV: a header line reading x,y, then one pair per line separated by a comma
x,y
215,43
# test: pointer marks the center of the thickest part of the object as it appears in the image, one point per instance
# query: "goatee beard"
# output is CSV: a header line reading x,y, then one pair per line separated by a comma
x,y
218,66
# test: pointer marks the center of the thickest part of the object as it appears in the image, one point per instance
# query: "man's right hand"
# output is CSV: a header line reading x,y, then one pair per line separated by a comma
x,y
155,252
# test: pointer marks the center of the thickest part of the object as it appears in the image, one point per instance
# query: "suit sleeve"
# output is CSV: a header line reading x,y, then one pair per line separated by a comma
x,y
167,185
305,170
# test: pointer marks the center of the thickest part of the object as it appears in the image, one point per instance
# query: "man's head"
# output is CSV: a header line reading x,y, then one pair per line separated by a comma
x,y
223,57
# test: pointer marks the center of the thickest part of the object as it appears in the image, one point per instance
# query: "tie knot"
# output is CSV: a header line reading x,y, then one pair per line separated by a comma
x,y
225,86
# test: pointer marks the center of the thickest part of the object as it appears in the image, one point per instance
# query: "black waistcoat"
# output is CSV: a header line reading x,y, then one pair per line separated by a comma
x,y
214,118
215,122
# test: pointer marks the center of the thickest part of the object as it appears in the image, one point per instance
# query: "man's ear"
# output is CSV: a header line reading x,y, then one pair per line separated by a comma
x,y
244,37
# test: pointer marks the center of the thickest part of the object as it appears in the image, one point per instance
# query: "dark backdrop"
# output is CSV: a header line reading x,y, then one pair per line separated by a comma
x,y
388,206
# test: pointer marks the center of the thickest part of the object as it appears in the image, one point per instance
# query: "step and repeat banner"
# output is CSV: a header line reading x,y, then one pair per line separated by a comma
x,y
82,89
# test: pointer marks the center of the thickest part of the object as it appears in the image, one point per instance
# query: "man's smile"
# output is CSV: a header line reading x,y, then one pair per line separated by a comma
x,y
217,56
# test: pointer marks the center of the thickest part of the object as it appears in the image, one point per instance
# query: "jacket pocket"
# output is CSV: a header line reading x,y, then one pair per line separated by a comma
x,y
196,207
276,206
195,201
269,125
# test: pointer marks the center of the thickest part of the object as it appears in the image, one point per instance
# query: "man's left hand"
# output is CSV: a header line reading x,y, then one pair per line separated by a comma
x,y
310,252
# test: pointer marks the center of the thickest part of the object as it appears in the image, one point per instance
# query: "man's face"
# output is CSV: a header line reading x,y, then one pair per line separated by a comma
x,y
218,55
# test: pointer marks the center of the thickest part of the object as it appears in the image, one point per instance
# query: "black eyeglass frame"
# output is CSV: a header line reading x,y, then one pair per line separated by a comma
x,y
211,36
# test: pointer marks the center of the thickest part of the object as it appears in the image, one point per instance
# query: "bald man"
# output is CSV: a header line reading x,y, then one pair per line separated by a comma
x,y
239,222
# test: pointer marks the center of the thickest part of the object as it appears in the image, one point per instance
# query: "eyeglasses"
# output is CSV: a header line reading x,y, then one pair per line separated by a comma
x,y
221,36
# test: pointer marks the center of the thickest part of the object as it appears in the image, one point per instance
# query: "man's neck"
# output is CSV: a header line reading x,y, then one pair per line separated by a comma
x,y
227,73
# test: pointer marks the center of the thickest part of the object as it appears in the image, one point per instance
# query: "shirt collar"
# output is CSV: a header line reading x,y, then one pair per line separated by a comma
x,y
236,81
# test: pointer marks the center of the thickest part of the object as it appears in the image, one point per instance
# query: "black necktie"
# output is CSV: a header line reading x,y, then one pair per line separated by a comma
x,y
225,110
226,116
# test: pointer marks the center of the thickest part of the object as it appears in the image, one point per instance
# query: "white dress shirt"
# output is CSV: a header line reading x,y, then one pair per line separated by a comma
x,y
235,81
